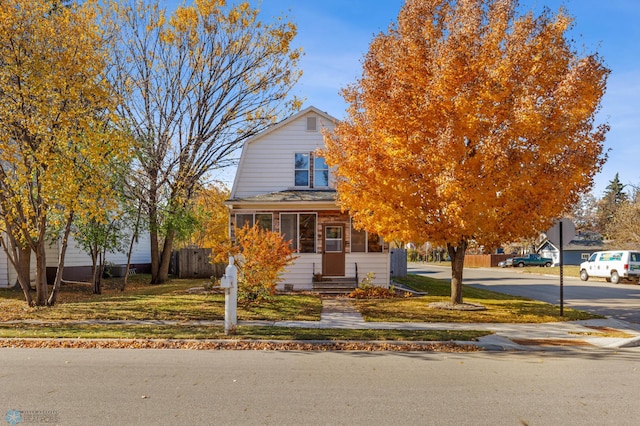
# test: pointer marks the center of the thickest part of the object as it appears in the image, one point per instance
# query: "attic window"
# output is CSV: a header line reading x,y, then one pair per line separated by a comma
x,y
311,124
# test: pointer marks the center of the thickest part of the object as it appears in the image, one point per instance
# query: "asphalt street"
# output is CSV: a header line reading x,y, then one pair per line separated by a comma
x,y
618,301
182,387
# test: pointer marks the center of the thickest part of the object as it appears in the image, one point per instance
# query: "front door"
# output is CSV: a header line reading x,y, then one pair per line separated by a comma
x,y
333,251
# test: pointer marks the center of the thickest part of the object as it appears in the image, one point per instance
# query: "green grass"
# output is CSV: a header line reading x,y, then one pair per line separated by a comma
x,y
501,308
173,302
141,301
567,270
58,331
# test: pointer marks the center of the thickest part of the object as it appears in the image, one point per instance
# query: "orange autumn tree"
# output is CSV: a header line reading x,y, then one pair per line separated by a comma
x,y
261,256
470,122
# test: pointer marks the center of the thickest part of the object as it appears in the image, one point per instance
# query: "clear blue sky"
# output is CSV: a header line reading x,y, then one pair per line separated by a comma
x,y
335,34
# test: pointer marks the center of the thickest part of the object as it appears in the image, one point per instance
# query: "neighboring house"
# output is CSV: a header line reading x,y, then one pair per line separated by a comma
x,y
575,252
8,274
77,265
77,262
284,185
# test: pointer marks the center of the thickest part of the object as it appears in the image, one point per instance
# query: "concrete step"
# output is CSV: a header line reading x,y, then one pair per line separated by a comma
x,y
335,285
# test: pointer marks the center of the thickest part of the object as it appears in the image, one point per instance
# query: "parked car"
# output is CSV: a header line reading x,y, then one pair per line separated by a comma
x,y
532,259
505,263
613,266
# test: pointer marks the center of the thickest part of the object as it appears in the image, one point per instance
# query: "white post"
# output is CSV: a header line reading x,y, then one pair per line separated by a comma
x,y
231,298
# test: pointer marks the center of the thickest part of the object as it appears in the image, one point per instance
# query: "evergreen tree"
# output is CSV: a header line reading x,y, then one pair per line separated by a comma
x,y
614,197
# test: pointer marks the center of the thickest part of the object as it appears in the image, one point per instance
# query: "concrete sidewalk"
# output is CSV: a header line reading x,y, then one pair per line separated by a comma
x,y
339,313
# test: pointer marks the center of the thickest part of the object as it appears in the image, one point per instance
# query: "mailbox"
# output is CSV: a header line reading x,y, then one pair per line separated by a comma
x,y
225,282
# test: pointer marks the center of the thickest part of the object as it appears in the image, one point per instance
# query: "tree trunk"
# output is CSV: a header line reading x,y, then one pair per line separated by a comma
x,y
94,266
24,264
165,259
457,267
98,273
63,251
23,268
153,238
19,256
134,237
41,274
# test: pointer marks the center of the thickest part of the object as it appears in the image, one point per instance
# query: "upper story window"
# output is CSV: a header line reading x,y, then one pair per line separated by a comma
x,y
302,169
310,171
320,172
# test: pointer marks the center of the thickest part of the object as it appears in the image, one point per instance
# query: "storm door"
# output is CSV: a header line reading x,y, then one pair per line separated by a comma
x,y
333,262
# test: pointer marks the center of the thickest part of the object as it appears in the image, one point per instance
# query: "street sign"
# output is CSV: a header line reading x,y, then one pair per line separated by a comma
x,y
568,232
560,234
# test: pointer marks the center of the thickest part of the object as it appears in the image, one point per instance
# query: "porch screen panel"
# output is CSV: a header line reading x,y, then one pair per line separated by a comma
x,y
374,243
265,221
289,228
243,219
358,240
307,233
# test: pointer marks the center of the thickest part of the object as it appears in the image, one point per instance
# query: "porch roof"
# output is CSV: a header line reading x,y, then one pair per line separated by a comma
x,y
315,197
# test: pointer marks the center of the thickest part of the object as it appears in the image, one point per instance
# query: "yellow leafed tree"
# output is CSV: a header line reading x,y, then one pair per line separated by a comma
x,y
58,136
470,122
211,218
197,82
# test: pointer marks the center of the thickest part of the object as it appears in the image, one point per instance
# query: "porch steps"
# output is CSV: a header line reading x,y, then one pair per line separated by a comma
x,y
335,285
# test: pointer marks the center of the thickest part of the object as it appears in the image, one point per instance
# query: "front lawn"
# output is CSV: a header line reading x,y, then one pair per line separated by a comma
x,y
141,301
501,308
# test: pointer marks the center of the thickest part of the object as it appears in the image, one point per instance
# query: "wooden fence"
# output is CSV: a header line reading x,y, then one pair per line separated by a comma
x,y
195,263
484,260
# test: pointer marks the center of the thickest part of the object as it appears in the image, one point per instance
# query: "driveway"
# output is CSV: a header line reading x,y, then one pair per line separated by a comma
x,y
618,301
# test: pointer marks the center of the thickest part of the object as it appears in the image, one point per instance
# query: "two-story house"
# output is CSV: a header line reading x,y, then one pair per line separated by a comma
x,y
283,184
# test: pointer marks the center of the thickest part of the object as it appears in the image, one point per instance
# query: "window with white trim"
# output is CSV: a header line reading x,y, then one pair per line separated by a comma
x,y
300,230
320,172
301,169
310,171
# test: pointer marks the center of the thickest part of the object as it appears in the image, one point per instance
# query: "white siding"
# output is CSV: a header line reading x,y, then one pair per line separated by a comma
x,y
300,273
13,275
378,263
267,162
4,270
75,256
8,275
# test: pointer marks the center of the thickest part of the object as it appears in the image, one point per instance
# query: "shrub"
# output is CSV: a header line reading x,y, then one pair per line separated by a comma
x,y
260,256
367,290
